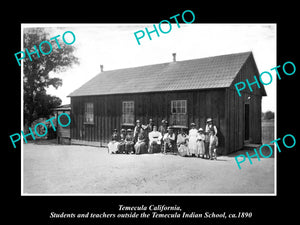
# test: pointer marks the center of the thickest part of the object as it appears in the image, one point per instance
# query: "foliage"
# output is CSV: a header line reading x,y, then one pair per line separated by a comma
x,y
37,103
267,115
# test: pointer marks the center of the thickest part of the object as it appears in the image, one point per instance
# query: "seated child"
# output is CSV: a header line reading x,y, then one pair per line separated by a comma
x,y
200,143
113,144
129,142
121,146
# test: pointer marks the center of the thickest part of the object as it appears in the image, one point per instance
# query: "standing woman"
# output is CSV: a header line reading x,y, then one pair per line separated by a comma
x,y
192,145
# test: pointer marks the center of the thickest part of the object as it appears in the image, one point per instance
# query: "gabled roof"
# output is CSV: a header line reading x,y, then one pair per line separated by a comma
x,y
63,107
203,73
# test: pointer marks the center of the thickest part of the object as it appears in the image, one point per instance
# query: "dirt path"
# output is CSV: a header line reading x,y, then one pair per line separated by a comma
x,y
71,169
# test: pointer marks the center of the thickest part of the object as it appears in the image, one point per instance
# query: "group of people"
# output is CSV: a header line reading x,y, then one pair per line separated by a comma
x,y
150,139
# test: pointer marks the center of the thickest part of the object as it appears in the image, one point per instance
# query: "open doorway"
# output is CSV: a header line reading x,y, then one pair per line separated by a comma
x,y
247,121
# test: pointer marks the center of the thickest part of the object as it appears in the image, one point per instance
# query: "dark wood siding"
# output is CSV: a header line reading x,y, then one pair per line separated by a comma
x,y
63,132
224,106
235,109
108,112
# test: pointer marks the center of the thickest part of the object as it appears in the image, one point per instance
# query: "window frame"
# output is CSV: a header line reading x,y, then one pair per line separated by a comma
x,y
179,109
181,106
128,112
88,112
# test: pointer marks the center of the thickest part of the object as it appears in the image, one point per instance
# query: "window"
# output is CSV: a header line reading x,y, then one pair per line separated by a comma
x,y
89,113
178,107
128,112
179,112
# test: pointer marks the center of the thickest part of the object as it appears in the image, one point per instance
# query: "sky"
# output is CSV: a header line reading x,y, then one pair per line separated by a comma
x,y
114,46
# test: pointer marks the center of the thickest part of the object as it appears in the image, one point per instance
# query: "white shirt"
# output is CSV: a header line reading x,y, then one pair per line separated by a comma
x,y
155,136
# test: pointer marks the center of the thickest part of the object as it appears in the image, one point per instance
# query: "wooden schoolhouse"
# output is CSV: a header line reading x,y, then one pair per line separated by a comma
x,y
181,92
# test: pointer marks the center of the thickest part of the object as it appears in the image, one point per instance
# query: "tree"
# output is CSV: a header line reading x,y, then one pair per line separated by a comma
x,y
37,103
268,115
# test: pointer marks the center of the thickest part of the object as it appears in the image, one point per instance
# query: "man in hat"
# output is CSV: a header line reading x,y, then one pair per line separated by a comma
x,y
115,135
137,130
169,140
147,129
163,129
150,125
208,127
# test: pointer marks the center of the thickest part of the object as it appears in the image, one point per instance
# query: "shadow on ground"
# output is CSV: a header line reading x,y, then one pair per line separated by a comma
x,y
265,151
44,142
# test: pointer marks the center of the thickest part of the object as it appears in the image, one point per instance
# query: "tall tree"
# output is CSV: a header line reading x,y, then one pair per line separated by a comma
x,y
268,115
37,103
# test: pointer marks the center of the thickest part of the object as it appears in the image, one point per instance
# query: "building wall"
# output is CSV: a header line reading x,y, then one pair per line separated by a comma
x,y
235,109
108,112
63,133
225,106
235,125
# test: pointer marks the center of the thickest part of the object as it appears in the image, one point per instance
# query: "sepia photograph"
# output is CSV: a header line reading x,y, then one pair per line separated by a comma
x,y
139,109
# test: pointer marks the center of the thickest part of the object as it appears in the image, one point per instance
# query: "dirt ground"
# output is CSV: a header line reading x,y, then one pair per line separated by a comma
x,y
74,169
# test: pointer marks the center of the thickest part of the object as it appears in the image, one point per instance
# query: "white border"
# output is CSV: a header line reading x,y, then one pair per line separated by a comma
x,y
23,25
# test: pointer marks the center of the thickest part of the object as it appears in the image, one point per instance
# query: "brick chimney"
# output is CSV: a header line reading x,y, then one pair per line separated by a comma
x,y
101,68
174,57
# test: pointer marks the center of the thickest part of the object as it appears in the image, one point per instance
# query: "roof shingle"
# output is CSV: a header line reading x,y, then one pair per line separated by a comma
x,y
203,73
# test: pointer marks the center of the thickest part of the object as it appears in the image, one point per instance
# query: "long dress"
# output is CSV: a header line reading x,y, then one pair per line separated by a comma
x,y
129,144
200,144
192,141
140,146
